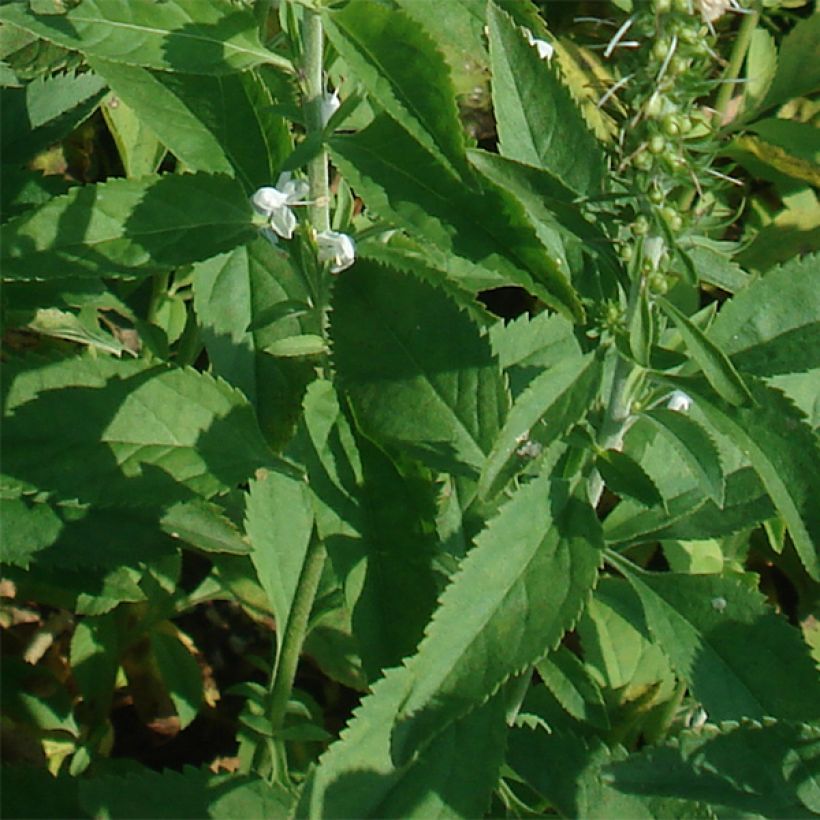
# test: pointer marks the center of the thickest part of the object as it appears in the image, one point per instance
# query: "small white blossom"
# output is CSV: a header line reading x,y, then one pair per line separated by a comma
x,y
654,248
679,401
336,248
719,603
697,719
275,203
329,106
544,49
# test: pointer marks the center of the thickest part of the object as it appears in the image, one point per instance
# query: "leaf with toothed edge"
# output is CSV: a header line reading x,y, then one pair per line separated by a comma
x,y
517,592
740,659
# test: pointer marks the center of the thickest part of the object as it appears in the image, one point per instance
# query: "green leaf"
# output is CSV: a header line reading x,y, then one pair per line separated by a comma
x,y
180,673
191,793
641,330
214,124
417,370
784,452
624,476
45,111
204,526
761,66
797,72
127,227
738,770
190,36
538,123
357,778
553,402
140,151
307,344
376,521
279,523
233,291
716,267
95,658
30,792
529,575
403,70
773,325
566,770
739,658
695,446
565,675
403,183
714,363
692,515
150,437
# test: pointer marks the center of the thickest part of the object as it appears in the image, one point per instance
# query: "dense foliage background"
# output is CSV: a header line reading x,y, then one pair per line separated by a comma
x,y
410,408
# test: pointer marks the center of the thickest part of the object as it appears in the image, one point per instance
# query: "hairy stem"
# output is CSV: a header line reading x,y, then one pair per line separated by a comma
x,y
313,37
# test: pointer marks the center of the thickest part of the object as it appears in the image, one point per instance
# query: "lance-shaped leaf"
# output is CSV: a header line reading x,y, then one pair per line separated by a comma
x,y
538,123
554,401
192,792
695,446
624,476
714,363
153,437
739,770
416,367
784,452
403,70
692,515
356,777
518,590
127,227
214,124
773,325
739,658
279,523
402,182
191,36
376,523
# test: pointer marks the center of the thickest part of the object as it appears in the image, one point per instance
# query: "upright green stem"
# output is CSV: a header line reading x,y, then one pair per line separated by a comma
x,y
739,49
618,406
314,94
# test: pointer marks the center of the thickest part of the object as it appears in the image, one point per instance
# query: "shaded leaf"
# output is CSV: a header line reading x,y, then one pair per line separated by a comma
x,y
624,476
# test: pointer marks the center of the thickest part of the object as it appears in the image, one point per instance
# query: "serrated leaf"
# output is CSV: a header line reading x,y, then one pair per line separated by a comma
x,y
739,658
717,268
356,777
204,526
692,515
230,291
192,36
714,363
127,227
94,662
565,675
214,124
376,522
784,452
538,123
641,330
695,446
45,111
554,401
797,71
773,325
747,770
403,70
418,372
566,770
140,151
151,437
191,793
624,476
279,523
403,183
528,576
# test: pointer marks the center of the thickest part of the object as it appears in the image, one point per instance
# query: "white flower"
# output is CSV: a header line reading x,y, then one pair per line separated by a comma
x,y
544,49
336,248
654,249
679,401
275,203
329,106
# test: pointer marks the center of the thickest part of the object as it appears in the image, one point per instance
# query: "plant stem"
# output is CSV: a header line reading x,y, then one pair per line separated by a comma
x,y
314,94
616,415
739,49
294,636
